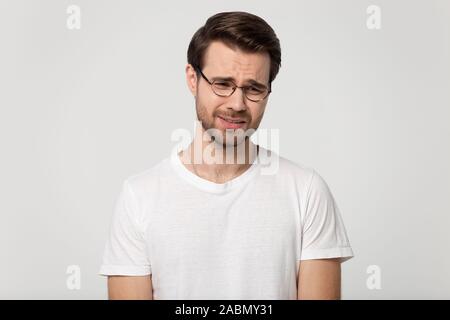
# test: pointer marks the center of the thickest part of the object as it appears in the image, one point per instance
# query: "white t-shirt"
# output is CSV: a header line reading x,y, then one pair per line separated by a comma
x,y
242,239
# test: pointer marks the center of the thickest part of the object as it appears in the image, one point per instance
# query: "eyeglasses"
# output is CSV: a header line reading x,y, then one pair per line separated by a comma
x,y
225,88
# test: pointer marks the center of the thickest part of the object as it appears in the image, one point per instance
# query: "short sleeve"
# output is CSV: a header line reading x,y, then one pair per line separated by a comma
x,y
323,231
125,249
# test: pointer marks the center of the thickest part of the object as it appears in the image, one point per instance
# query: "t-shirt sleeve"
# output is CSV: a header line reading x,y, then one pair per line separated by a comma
x,y
323,231
125,250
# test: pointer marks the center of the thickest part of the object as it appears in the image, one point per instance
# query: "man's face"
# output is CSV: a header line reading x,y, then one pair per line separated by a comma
x,y
220,61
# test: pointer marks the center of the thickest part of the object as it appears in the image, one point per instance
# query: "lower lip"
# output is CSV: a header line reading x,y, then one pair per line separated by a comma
x,y
231,125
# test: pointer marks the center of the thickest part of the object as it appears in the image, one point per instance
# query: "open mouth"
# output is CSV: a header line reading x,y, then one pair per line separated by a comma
x,y
231,120
230,123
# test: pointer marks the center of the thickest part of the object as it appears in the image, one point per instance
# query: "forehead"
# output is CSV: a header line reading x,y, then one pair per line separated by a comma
x,y
222,60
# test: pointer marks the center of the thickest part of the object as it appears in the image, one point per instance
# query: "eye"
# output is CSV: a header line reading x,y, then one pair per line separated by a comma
x,y
255,90
223,85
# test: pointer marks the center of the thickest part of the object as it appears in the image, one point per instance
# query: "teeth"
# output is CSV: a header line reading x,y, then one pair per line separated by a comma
x,y
235,121
232,121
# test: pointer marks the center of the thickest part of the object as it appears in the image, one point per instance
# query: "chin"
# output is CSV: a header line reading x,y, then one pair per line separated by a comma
x,y
228,143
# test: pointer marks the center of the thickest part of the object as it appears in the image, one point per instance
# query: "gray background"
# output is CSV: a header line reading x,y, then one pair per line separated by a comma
x,y
81,110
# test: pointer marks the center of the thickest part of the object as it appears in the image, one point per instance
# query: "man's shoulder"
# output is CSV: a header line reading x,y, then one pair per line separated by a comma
x,y
309,178
290,168
150,177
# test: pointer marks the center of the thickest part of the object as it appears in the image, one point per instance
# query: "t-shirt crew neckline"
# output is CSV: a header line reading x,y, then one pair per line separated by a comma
x,y
210,186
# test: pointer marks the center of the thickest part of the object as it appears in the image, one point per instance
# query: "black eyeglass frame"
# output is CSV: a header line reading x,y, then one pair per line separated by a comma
x,y
244,88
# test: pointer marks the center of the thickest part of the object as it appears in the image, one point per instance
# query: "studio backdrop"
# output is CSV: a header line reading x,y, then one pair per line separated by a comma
x,y
91,93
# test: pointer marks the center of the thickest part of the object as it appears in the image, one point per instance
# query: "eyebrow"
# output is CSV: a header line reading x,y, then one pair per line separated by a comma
x,y
249,81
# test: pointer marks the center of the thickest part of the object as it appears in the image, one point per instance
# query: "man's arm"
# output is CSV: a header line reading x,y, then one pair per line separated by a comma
x,y
319,279
130,287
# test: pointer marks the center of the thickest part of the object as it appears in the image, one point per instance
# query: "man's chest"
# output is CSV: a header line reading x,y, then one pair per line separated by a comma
x,y
220,232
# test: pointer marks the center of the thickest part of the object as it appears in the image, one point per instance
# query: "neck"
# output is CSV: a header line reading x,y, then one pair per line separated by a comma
x,y
218,163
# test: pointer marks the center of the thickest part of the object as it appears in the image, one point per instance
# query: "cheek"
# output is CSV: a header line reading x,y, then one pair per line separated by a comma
x,y
208,103
257,113
207,107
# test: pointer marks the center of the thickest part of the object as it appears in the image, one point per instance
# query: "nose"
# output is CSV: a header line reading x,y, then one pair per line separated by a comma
x,y
237,100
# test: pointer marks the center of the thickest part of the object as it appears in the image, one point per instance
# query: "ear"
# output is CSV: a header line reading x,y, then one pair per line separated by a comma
x,y
191,79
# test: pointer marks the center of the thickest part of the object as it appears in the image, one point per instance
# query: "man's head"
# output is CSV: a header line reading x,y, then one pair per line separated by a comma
x,y
232,49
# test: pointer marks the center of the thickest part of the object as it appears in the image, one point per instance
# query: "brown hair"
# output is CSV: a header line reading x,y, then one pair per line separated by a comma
x,y
244,30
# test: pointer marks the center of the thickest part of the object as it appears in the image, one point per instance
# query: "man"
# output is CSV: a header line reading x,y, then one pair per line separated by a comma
x,y
192,228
